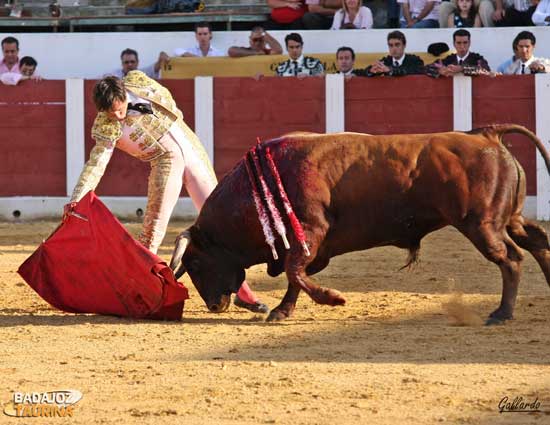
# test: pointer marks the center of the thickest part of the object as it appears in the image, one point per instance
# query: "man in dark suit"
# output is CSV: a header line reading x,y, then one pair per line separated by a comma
x,y
463,61
397,63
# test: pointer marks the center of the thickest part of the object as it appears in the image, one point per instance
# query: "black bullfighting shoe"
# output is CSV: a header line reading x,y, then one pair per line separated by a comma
x,y
257,307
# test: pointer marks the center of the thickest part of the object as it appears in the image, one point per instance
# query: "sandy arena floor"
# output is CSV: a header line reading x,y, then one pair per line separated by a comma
x,y
392,355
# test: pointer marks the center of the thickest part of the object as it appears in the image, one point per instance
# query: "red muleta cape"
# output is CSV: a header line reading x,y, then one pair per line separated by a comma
x,y
91,264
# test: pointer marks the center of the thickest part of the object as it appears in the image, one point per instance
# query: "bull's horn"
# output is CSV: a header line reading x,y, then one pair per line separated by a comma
x,y
181,244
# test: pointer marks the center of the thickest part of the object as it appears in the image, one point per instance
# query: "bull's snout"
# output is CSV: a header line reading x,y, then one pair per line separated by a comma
x,y
221,306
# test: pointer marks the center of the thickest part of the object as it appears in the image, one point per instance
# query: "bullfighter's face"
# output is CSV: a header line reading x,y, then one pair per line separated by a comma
x,y
294,49
524,50
462,45
396,48
118,110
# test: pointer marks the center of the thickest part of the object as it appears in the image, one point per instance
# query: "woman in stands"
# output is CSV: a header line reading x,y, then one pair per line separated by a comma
x,y
466,15
353,15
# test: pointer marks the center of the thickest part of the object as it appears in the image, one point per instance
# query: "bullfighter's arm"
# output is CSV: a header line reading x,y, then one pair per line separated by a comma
x,y
106,133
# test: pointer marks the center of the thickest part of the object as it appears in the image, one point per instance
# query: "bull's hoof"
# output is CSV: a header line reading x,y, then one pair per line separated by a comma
x,y
498,318
493,321
328,296
277,316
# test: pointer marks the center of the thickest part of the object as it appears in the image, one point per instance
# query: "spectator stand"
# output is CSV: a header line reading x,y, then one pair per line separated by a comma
x,y
37,17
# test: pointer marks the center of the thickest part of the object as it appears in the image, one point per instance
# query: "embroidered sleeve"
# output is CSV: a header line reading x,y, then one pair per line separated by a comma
x,y
314,66
105,132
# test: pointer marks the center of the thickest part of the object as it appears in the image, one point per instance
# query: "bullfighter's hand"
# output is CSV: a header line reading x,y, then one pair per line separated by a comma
x,y
67,209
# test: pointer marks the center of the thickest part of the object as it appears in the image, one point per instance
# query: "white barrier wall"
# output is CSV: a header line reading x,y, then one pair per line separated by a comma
x,y
91,55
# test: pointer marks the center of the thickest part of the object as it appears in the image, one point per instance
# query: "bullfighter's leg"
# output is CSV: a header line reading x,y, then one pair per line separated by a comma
x,y
533,238
498,247
200,180
163,191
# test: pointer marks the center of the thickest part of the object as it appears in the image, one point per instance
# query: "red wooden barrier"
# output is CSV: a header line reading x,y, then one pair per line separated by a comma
x,y
509,99
32,133
393,105
32,128
127,176
245,109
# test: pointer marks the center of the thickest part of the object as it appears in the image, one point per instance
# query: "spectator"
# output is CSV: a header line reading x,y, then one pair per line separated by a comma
x,y
10,50
320,14
393,14
541,16
298,65
203,35
261,43
397,63
286,14
485,9
420,13
517,15
130,62
352,15
345,61
466,15
27,68
526,62
463,61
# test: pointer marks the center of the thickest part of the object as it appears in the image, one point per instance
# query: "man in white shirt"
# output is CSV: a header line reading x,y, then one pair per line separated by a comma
x,y
203,35
526,62
542,13
420,13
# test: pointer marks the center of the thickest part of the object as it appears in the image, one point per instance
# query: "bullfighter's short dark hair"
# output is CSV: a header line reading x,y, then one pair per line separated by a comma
x,y
524,35
397,35
346,49
461,33
107,91
294,36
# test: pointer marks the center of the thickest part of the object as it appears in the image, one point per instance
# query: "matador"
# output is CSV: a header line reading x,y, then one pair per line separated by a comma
x,y
139,116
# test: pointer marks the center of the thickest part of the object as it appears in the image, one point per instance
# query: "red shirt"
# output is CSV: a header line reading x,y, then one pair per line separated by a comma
x,y
286,15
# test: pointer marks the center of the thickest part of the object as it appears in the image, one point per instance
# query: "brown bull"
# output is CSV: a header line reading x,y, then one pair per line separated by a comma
x,y
355,191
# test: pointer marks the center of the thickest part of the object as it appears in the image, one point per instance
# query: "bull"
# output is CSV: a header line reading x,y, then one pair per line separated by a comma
x,y
354,191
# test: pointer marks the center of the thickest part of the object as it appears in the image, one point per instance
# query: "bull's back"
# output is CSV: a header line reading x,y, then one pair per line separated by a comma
x,y
376,190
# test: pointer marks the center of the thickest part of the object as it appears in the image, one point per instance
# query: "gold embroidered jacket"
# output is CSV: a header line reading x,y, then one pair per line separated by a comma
x,y
144,131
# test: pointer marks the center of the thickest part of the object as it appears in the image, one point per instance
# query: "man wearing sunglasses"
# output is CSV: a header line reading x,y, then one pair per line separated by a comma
x,y
130,62
261,43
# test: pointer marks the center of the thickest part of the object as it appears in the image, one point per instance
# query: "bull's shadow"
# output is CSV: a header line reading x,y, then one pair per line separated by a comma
x,y
424,338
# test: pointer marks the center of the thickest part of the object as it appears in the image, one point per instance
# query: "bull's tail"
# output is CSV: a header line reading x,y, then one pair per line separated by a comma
x,y
502,129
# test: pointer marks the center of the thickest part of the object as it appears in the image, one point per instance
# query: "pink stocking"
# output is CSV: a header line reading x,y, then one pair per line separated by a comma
x,y
246,294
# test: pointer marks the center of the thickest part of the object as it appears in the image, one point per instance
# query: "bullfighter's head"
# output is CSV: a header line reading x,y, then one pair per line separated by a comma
x,y
210,267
